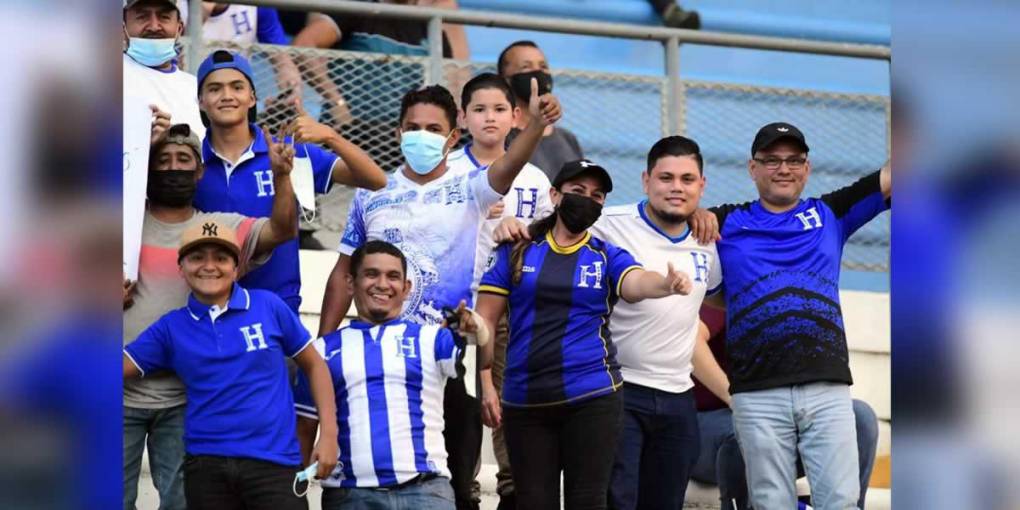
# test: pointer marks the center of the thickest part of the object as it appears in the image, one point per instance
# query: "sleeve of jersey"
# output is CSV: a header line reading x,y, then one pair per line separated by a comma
x,y
621,263
304,404
856,204
354,232
496,279
447,352
715,276
323,162
484,195
295,337
270,31
150,352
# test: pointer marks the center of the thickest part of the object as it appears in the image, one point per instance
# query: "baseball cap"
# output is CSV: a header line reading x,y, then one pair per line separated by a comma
x,y
208,231
172,3
572,169
223,59
772,133
180,134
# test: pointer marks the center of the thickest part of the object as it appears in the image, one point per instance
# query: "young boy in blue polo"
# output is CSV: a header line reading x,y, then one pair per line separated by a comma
x,y
228,346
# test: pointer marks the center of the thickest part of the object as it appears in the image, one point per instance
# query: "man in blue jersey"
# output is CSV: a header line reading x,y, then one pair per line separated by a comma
x,y
789,372
237,175
389,375
228,346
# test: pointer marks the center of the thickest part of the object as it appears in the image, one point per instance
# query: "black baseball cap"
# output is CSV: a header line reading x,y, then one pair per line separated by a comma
x,y
572,169
772,133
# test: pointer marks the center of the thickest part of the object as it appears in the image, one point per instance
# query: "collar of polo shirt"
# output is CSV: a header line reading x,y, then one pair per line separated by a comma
x,y
239,300
258,146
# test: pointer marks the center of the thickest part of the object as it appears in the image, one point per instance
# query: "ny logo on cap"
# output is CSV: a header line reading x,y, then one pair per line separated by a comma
x,y
585,163
782,129
209,229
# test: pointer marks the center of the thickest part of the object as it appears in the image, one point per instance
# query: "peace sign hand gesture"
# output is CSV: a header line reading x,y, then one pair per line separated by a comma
x,y
281,154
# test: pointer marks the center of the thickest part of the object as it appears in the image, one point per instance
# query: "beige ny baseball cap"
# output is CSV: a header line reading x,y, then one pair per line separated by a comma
x,y
208,231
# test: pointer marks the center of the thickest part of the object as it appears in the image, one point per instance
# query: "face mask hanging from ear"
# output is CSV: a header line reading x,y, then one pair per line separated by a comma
x,y
302,179
423,150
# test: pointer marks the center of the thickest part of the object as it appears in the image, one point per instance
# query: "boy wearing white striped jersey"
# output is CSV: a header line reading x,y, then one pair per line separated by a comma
x,y
389,375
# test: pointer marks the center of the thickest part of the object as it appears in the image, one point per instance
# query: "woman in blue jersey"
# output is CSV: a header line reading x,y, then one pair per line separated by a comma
x,y
561,406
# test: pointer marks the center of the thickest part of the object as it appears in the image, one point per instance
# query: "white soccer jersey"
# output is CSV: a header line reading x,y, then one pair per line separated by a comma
x,y
434,224
655,337
389,381
528,200
175,92
237,24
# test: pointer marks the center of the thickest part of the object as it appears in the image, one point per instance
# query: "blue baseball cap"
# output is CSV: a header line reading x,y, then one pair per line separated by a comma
x,y
223,59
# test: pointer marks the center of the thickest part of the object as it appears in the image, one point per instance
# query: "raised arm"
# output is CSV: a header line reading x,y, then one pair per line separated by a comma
x,y
283,223
545,110
639,284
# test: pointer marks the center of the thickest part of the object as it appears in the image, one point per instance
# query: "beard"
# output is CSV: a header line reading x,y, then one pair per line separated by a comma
x,y
667,217
379,315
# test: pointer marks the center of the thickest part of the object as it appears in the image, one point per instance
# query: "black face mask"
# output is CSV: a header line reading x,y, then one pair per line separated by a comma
x,y
171,188
521,84
578,212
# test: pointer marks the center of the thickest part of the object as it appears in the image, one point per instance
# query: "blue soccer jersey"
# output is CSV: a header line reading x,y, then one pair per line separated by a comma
x,y
784,325
231,361
247,188
389,380
560,350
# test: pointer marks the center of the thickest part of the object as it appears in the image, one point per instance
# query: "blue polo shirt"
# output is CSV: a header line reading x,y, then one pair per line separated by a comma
x,y
247,188
560,349
231,361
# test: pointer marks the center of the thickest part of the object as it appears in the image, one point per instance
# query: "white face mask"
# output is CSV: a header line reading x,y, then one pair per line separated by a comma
x,y
305,475
303,182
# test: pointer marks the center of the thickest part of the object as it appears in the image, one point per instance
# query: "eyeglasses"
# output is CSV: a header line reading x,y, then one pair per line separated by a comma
x,y
773,163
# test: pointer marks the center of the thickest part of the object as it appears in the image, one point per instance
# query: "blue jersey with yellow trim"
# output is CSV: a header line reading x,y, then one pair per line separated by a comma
x,y
560,349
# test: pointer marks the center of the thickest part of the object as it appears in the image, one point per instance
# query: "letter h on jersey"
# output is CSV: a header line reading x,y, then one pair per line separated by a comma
x,y
700,266
264,181
585,273
810,218
241,22
252,336
531,204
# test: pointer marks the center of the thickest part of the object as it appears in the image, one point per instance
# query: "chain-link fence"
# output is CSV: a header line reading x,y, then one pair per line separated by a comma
x,y
616,117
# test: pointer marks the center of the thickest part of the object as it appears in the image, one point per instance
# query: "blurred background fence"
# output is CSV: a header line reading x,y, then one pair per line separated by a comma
x,y
615,116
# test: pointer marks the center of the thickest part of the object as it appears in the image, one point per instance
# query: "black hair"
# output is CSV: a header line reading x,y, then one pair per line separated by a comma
x,y
376,247
501,61
433,94
675,146
486,81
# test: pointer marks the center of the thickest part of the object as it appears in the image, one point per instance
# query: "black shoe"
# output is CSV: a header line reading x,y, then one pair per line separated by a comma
x,y
674,16
507,502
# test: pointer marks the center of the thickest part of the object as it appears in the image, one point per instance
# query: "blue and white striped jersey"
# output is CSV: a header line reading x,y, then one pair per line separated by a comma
x,y
389,381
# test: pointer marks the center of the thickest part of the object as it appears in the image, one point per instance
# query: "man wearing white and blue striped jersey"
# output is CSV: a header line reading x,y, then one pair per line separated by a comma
x,y
389,376
789,365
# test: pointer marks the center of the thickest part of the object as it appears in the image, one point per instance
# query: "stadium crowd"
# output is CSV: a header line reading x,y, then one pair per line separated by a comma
x,y
491,289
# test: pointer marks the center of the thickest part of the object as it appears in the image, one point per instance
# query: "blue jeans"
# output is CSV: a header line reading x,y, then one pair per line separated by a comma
x,y
162,432
656,450
435,494
720,462
814,419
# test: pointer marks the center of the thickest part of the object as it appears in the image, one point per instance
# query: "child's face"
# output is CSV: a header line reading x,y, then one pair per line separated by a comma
x,y
489,117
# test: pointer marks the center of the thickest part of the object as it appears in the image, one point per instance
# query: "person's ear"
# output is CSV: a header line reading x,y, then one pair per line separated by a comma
x,y
407,290
516,114
555,196
349,281
180,27
398,132
199,172
644,181
750,168
461,119
453,139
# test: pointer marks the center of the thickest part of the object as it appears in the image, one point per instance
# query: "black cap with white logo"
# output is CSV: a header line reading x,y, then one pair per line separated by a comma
x,y
774,132
572,169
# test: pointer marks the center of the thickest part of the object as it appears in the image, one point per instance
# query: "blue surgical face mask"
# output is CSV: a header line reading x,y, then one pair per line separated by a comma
x,y
151,52
423,150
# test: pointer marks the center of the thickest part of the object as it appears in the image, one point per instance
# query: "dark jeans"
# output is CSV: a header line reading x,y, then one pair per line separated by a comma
x,y
576,439
721,462
656,451
162,432
463,434
228,483
434,494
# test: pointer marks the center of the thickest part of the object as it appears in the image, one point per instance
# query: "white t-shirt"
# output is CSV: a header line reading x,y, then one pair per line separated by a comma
x,y
528,200
174,91
238,24
434,224
655,338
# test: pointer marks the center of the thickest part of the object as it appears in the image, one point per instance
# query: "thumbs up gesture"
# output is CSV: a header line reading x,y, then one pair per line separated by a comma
x,y
308,130
678,281
544,108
